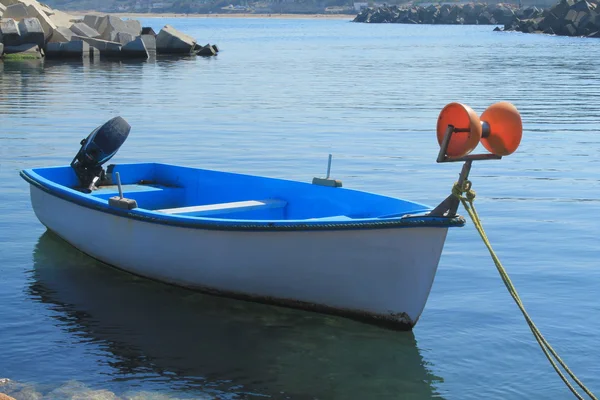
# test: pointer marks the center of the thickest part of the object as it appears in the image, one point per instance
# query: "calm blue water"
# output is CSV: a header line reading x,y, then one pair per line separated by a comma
x,y
279,97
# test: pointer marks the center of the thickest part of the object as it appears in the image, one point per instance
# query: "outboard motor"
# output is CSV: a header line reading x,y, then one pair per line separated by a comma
x,y
98,148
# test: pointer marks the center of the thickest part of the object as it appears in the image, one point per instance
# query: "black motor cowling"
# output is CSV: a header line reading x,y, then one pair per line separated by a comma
x,y
98,148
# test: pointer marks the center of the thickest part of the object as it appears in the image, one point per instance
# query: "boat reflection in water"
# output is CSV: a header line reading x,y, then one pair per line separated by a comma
x,y
197,341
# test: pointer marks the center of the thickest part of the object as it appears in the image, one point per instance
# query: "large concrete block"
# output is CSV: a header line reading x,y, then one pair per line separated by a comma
x,y
81,29
94,53
92,20
35,12
32,32
147,30
135,49
28,50
11,2
570,30
77,49
61,34
61,19
104,46
582,5
10,32
581,15
53,50
562,8
124,38
571,16
132,26
16,11
206,51
149,43
170,41
109,27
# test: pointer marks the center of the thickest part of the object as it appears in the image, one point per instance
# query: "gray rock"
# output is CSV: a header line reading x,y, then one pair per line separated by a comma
x,y
587,25
1,48
571,16
582,5
48,25
206,51
93,21
580,18
78,49
550,22
81,29
10,32
148,31
124,37
94,53
149,43
32,32
571,30
110,26
53,50
16,11
61,34
59,18
132,26
135,49
104,46
562,8
170,41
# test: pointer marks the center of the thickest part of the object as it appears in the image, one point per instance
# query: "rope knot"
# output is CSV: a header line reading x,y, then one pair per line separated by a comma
x,y
458,190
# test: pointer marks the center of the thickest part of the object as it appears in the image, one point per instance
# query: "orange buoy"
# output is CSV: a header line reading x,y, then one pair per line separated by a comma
x,y
467,129
503,134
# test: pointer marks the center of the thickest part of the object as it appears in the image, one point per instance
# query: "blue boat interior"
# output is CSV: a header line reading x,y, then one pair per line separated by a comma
x,y
186,192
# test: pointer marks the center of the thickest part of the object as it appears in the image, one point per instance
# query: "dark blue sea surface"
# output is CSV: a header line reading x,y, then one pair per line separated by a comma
x,y
280,96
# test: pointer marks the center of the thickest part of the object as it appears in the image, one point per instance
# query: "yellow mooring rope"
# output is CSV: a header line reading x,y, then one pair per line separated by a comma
x,y
467,202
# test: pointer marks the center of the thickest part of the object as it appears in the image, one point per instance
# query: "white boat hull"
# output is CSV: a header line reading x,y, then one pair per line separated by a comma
x,y
384,275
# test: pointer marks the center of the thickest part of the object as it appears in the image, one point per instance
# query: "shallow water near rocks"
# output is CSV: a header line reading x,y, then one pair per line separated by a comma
x,y
281,95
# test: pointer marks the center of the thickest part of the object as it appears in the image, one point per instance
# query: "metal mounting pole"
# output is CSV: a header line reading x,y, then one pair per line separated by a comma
x,y
119,185
449,206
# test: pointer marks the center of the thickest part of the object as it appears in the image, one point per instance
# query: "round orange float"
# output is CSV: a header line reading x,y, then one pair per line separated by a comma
x,y
499,129
505,128
463,119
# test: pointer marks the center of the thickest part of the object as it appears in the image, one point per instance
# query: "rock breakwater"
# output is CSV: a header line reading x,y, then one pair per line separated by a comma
x,y
566,18
459,14
29,29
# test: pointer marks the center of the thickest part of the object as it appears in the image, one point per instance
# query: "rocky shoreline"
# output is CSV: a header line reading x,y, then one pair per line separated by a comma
x,y
446,14
566,18
31,30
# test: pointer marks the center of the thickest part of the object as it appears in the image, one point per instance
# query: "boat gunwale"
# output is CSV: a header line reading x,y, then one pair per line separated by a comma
x,y
220,224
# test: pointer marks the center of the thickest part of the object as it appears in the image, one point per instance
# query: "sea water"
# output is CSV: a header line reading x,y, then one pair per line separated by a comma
x,y
279,97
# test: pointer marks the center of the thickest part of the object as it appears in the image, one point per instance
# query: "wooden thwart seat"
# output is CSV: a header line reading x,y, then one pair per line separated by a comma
x,y
222,208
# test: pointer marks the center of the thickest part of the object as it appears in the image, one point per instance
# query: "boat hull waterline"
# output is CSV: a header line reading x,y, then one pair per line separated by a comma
x,y
376,270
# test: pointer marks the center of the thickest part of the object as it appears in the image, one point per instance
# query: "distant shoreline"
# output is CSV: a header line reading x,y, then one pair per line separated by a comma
x,y
226,15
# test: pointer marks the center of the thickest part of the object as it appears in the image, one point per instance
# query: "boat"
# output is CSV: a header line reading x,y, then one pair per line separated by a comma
x,y
316,245
228,348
